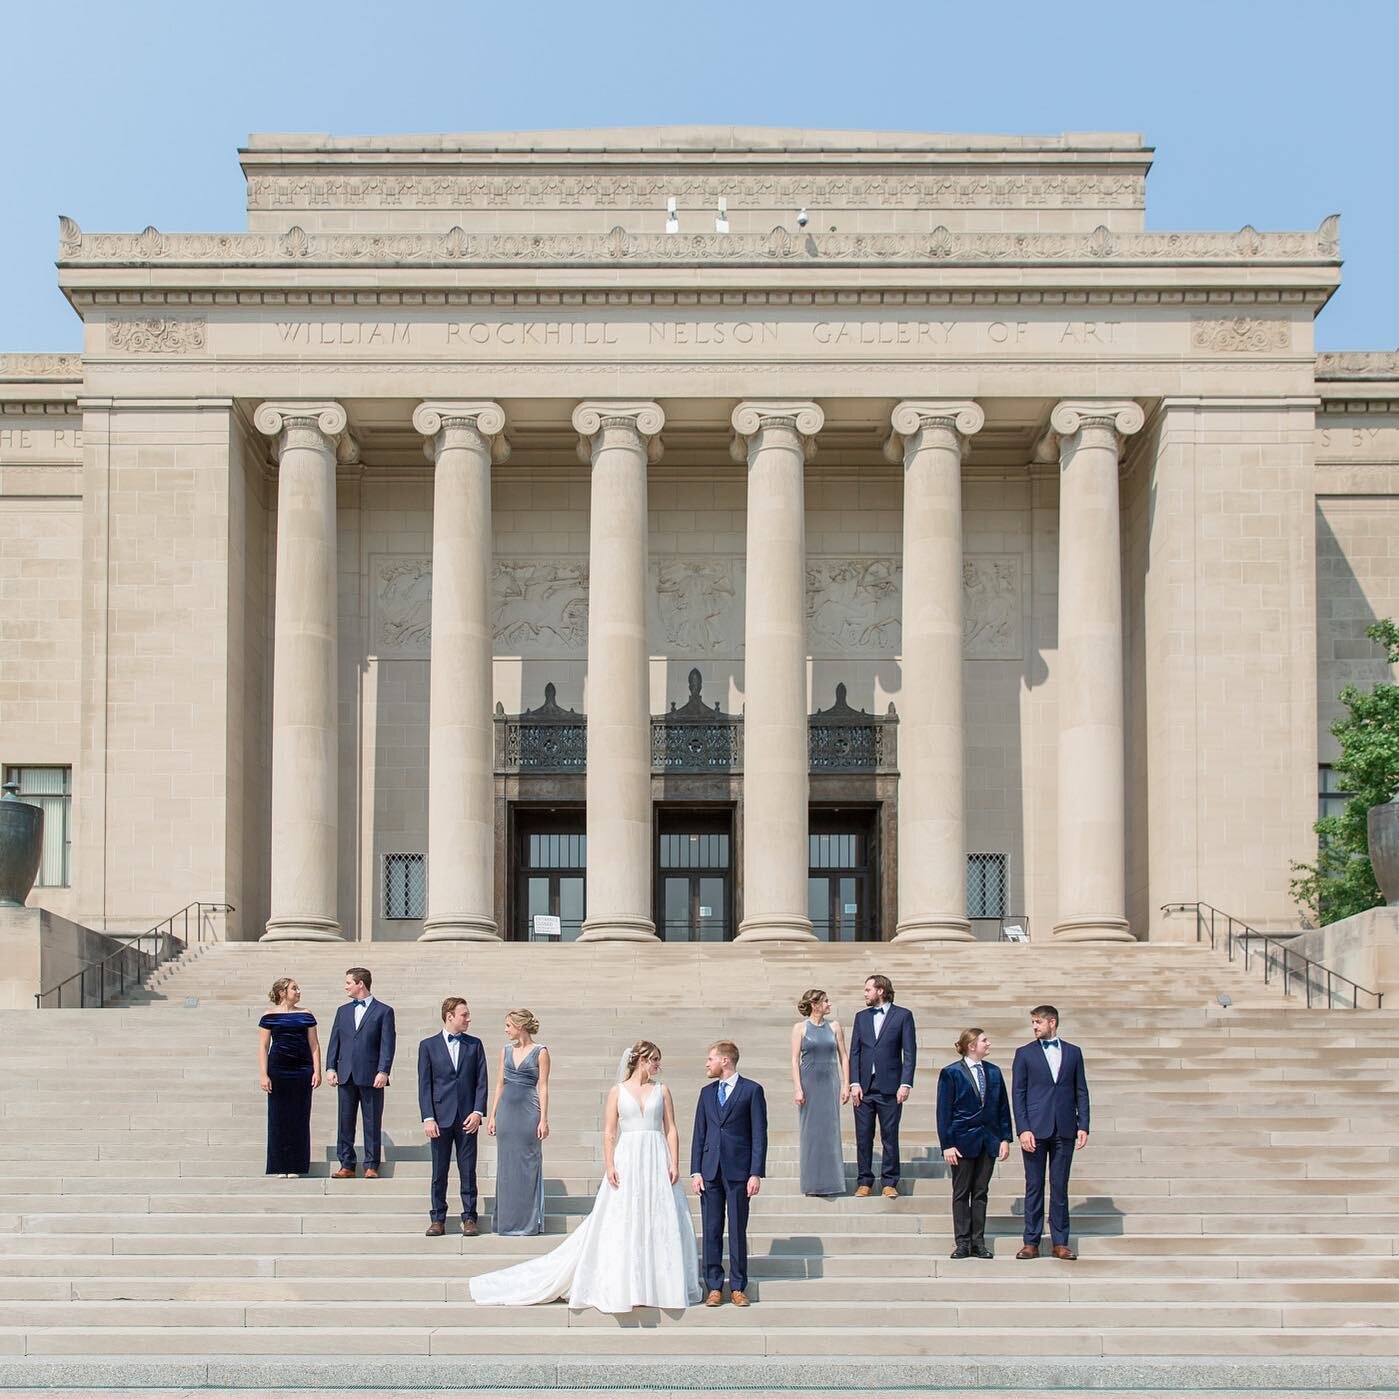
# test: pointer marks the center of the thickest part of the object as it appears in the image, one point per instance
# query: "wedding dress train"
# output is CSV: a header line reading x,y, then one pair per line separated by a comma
x,y
636,1248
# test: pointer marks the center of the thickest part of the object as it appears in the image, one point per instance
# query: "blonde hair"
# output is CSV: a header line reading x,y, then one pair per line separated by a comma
x,y
810,1000
279,989
525,1020
642,1049
968,1038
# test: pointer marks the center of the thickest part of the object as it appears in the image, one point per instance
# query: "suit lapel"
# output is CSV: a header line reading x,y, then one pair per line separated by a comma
x,y
971,1078
727,1106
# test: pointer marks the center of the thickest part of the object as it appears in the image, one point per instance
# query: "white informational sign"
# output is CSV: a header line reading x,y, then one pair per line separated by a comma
x,y
1015,933
547,927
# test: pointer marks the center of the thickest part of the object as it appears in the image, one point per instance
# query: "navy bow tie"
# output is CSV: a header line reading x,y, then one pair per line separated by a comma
x,y
358,1002
456,1039
879,1010
1050,1044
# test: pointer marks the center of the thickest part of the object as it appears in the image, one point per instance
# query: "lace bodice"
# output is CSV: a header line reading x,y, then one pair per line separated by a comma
x,y
633,1117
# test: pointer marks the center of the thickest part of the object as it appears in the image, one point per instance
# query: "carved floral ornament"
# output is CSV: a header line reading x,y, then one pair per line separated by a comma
x,y
1241,334
941,245
41,366
157,335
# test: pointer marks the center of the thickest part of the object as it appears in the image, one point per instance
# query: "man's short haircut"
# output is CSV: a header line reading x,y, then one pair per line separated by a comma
x,y
884,984
450,1004
726,1049
361,974
1045,1013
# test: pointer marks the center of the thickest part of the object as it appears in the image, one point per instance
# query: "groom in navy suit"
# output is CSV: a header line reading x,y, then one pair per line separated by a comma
x,y
357,1061
728,1160
1050,1094
452,1100
973,1134
883,1053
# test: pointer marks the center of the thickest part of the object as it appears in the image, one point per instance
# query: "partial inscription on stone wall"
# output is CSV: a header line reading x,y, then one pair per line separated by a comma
x,y
991,608
697,606
540,607
853,607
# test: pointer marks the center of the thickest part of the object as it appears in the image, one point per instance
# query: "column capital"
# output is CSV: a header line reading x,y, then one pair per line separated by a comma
x,y
462,423
594,416
1072,415
799,416
960,417
316,422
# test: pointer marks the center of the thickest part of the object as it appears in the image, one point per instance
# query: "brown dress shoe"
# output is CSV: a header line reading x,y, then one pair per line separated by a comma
x,y
890,1192
1065,1252
1029,1251
861,1191
370,1173
469,1228
739,1299
715,1299
436,1229
344,1173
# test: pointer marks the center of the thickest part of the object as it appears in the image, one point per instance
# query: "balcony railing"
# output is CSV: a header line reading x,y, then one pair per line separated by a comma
x,y
842,739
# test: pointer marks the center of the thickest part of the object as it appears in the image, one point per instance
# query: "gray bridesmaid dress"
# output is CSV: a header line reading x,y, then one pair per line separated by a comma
x,y
519,1159
822,1166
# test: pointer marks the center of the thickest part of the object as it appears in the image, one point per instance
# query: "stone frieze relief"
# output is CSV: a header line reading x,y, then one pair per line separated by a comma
x,y
539,607
697,606
156,335
1241,334
853,606
992,611
40,366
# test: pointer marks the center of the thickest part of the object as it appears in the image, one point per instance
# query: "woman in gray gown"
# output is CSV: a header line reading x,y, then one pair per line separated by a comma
x,y
519,1122
821,1080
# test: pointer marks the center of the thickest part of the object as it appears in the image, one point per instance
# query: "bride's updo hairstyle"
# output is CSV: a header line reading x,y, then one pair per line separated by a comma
x,y
642,1049
525,1020
279,989
809,1001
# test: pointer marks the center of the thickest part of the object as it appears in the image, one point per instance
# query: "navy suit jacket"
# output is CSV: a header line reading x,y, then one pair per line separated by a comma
x,y
449,1096
893,1054
1043,1106
964,1121
357,1056
730,1143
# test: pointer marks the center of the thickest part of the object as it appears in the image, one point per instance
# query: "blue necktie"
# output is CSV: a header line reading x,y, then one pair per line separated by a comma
x,y
723,1094
981,1082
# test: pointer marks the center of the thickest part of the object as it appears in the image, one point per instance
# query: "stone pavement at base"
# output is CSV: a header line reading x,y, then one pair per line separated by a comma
x,y
1237,1200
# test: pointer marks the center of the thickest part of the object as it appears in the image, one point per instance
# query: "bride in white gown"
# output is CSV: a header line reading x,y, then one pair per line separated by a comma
x,y
637,1247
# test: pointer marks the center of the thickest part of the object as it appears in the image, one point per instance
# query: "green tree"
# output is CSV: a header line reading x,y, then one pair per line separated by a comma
x,y
1341,882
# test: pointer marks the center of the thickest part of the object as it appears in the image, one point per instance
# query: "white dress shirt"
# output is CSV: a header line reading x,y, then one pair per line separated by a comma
x,y
980,1079
362,1010
881,1014
729,1084
1054,1056
453,1049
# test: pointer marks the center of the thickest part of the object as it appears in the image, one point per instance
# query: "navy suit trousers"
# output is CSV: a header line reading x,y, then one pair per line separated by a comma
x,y
1056,1155
368,1103
453,1139
888,1110
721,1198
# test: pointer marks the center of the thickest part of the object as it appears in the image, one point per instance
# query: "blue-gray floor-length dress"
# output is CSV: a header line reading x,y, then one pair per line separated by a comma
x,y
519,1161
822,1166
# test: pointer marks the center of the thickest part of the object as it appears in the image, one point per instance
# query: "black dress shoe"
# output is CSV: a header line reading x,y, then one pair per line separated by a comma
x,y
982,1252
960,1253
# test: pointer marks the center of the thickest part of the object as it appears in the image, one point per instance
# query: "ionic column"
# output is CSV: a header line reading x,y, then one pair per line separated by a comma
x,y
929,438
463,440
1092,783
776,440
308,438
618,440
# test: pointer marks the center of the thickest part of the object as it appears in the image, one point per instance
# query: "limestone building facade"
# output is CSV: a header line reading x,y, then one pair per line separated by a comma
x,y
689,532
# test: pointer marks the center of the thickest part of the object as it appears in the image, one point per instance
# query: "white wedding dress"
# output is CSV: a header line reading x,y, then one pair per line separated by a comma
x,y
636,1248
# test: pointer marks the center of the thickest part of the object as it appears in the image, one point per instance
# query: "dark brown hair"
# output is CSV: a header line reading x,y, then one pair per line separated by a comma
x,y
810,1000
361,974
450,1004
884,985
1046,1013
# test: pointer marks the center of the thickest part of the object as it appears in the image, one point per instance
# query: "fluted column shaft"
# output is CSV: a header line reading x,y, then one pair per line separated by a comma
x,y
929,438
775,439
1092,782
463,439
618,439
305,759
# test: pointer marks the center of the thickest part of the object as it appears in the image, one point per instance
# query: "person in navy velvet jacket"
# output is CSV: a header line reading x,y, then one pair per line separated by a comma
x,y
973,1134
883,1053
1050,1094
728,1160
452,1101
358,1061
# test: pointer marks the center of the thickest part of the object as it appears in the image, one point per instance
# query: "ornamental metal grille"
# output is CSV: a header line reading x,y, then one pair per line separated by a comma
x,y
986,886
691,747
846,747
546,747
405,886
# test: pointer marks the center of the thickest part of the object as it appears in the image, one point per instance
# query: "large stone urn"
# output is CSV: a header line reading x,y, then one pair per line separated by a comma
x,y
21,845
1382,831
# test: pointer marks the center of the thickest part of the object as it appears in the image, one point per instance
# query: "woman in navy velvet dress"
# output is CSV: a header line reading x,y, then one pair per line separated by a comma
x,y
289,1061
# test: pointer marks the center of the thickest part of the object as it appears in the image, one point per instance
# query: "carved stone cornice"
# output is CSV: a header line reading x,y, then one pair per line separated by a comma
x,y
41,366
753,417
958,419
938,246
594,417
473,420
308,424
1358,364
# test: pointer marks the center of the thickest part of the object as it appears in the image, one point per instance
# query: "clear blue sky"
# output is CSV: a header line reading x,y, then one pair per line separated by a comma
x,y
130,113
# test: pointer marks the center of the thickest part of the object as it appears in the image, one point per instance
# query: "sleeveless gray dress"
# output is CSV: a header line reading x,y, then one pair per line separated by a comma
x,y
519,1159
822,1166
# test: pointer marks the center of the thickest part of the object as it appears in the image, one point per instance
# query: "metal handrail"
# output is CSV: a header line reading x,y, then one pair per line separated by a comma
x,y
132,962
1322,984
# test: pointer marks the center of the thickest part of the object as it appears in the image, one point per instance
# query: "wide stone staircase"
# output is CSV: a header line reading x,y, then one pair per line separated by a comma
x,y
1235,1210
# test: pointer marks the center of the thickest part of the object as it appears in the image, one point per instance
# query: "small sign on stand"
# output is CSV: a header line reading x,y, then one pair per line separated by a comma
x,y
546,927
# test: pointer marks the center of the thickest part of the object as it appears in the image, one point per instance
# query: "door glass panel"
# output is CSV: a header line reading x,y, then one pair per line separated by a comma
x,y
677,908
571,905
818,906
849,910
538,895
711,909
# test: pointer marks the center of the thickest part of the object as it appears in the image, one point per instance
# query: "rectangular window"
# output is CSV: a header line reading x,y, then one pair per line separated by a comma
x,y
556,850
842,850
1331,797
51,790
405,886
986,886
705,851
